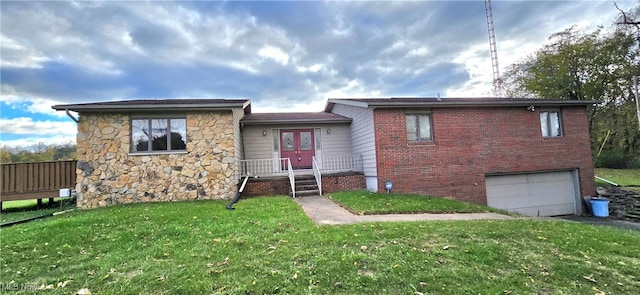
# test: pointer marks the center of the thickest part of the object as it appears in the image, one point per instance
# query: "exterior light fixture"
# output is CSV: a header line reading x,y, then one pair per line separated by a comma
x,y
264,132
531,108
328,130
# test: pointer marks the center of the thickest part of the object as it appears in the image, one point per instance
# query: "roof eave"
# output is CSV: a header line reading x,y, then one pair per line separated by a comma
x,y
297,121
444,104
150,108
332,101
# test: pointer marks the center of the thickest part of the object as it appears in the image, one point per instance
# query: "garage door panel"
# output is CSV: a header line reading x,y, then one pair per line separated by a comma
x,y
535,194
506,202
507,190
507,180
550,186
548,199
553,210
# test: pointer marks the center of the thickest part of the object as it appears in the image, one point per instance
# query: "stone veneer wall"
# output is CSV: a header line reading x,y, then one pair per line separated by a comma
x,y
108,174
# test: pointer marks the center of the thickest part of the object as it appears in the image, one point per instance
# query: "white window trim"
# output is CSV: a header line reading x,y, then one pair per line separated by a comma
x,y
560,123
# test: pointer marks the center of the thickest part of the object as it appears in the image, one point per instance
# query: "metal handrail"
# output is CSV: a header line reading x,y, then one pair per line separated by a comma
x,y
292,178
352,162
263,167
317,174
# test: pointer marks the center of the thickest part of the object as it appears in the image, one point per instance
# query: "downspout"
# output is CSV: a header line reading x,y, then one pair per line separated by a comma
x,y
237,198
241,185
71,116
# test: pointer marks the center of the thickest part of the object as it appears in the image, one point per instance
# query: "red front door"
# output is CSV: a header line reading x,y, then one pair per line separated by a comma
x,y
299,146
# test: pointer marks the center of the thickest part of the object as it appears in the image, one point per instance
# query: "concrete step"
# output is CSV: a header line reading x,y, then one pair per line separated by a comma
x,y
306,185
307,193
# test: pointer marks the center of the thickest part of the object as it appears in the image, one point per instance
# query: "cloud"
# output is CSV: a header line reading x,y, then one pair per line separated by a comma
x,y
283,55
275,54
25,125
25,142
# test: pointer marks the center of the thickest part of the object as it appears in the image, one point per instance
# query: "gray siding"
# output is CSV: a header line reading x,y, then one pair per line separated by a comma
x,y
362,139
258,146
338,142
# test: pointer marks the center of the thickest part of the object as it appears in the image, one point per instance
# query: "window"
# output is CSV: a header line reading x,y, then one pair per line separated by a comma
x,y
419,127
158,135
550,123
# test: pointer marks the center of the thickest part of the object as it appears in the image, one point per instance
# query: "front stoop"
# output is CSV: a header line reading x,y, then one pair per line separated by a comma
x,y
306,186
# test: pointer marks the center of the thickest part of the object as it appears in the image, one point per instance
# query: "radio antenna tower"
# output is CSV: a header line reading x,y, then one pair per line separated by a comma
x,y
497,82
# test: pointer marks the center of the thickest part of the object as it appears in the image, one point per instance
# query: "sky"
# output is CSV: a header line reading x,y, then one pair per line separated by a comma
x,y
288,56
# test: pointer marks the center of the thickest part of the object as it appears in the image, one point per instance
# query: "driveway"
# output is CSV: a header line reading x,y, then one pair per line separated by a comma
x,y
606,221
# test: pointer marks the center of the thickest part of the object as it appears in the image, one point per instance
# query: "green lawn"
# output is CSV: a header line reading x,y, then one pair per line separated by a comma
x,y
623,177
363,202
18,210
268,245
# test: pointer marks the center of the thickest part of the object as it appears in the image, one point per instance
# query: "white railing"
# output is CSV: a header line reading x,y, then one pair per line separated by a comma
x,y
269,167
317,175
264,167
351,162
292,178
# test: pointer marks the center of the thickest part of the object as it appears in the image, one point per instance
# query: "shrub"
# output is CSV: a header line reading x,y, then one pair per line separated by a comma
x,y
614,159
634,162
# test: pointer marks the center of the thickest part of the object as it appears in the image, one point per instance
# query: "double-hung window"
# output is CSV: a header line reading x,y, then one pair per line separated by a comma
x,y
551,123
158,134
419,127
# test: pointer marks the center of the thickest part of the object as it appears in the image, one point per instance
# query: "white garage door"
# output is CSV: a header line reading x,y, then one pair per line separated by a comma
x,y
533,194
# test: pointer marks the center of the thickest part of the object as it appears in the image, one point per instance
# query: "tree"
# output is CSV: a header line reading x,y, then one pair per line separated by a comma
x,y
586,66
37,153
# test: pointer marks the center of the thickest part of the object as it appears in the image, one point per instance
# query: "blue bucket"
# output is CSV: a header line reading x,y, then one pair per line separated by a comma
x,y
600,207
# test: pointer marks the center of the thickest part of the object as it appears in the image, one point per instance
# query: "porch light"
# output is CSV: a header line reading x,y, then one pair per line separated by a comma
x,y
264,132
328,130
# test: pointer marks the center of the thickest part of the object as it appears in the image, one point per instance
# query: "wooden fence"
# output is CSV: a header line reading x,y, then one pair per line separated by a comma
x,y
24,181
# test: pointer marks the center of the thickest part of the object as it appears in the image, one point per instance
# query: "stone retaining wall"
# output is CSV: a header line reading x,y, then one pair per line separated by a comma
x,y
107,173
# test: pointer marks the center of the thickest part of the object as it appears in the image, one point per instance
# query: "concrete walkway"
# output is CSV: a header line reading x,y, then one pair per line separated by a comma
x,y
323,211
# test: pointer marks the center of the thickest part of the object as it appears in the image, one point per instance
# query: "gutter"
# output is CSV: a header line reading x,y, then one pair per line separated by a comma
x,y
148,107
71,116
389,103
300,121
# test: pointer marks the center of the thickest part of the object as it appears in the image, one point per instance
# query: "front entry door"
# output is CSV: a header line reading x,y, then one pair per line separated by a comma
x,y
299,146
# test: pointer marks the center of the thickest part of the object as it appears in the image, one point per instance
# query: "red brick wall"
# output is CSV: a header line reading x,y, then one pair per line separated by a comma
x,y
471,142
281,186
266,187
336,183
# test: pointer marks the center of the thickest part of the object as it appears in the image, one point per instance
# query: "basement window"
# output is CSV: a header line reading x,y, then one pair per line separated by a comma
x,y
551,123
158,135
419,127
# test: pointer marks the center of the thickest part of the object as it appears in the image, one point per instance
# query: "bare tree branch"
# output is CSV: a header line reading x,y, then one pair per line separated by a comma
x,y
625,19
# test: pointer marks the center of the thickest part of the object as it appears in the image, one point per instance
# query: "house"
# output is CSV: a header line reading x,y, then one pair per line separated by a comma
x,y
530,156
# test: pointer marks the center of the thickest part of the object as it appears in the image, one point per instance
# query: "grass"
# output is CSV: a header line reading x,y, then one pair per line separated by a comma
x,y
267,245
18,210
623,177
365,203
